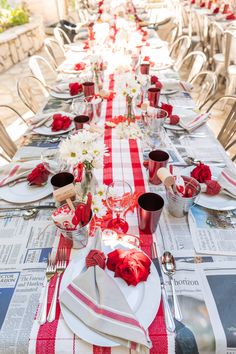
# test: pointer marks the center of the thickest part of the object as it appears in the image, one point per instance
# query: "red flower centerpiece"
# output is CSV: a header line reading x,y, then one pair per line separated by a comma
x,y
132,266
38,176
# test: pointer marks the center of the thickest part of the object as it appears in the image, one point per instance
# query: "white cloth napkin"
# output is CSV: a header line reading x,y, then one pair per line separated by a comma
x,y
42,119
14,171
227,180
192,124
96,299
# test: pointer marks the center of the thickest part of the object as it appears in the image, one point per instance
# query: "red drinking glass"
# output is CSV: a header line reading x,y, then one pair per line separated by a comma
x,y
150,206
153,96
144,68
157,159
88,88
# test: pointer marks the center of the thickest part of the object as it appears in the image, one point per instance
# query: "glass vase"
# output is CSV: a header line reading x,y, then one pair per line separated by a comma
x,y
89,182
129,108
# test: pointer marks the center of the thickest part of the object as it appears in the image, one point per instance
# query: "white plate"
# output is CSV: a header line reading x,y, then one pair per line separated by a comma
x,y
168,91
144,299
64,95
43,130
182,112
24,193
215,202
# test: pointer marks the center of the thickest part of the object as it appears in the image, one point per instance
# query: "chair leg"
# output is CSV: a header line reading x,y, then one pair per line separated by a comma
x,y
231,85
5,157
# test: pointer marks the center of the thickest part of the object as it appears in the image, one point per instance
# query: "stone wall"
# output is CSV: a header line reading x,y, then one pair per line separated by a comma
x,y
20,42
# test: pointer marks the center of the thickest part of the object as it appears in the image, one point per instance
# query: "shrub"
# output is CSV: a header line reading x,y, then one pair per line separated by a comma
x,y
10,17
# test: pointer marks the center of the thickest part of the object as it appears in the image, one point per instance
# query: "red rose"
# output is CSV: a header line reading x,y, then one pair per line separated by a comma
x,y
60,122
154,79
75,88
132,266
114,258
167,107
38,176
201,173
79,66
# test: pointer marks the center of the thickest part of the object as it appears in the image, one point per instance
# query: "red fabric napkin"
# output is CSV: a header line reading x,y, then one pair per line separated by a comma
x,y
203,4
167,107
158,85
132,266
86,45
79,66
231,17
217,9
38,176
60,122
154,79
75,88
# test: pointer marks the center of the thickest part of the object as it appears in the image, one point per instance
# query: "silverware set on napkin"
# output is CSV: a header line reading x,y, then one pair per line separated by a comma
x,y
55,267
167,264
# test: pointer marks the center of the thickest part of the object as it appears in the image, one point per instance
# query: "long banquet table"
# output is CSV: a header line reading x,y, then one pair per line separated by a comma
x,y
205,283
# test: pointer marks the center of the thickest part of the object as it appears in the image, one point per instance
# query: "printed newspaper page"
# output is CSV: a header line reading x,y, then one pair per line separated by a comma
x,y
25,241
218,281
212,231
194,333
19,297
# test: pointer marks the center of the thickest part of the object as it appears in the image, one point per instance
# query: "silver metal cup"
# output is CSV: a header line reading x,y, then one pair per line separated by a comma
x,y
179,206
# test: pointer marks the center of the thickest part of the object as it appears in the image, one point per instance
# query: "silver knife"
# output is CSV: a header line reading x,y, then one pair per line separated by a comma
x,y
170,324
26,207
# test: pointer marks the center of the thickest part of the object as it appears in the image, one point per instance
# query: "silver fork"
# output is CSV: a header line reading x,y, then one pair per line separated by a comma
x,y
50,271
60,266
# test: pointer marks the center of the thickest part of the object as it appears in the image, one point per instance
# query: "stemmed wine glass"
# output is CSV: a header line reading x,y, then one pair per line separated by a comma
x,y
119,199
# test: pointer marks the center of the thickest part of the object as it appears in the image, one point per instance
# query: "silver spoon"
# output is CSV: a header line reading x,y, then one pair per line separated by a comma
x,y
192,161
169,268
27,214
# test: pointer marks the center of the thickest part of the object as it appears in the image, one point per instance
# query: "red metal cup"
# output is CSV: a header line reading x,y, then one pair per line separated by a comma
x,y
209,4
150,206
80,121
144,68
226,9
157,159
89,88
153,96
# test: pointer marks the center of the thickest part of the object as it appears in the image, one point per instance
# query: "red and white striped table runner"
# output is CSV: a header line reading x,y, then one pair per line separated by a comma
x,y
125,161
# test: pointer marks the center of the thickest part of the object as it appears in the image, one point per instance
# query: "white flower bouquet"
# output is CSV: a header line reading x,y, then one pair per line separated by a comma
x,y
83,148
